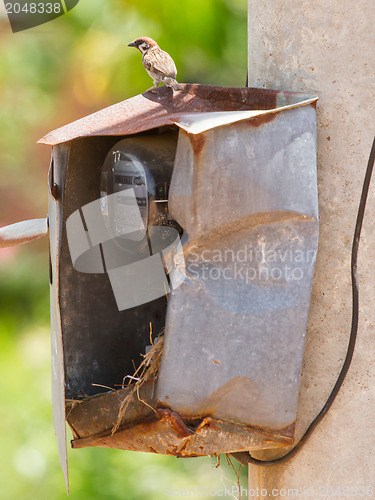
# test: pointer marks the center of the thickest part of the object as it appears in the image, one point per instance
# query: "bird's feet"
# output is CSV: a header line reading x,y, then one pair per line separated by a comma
x,y
152,89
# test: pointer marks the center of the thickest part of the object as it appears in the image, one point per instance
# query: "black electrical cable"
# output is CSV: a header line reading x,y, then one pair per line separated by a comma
x,y
353,333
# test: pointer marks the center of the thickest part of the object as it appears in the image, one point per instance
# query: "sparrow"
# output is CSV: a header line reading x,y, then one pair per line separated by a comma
x,y
158,63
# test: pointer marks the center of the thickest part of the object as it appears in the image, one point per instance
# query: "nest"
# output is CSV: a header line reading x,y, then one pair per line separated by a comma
x,y
147,370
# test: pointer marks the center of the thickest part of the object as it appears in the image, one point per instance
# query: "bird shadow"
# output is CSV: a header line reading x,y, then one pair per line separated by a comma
x,y
172,101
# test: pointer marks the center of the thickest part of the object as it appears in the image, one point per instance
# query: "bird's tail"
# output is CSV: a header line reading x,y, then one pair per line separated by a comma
x,y
171,82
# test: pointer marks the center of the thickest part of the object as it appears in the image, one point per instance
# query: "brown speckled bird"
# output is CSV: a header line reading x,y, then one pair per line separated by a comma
x,y
158,63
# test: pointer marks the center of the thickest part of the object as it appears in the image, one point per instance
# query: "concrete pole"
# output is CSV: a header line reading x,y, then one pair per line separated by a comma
x,y
327,47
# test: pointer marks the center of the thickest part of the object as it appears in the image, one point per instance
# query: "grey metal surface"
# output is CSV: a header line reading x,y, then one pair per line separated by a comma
x,y
246,197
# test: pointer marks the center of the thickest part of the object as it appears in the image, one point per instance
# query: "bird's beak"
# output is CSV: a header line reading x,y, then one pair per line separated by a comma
x,y
132,44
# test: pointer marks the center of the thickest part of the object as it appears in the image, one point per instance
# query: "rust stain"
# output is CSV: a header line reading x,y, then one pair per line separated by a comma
x,y
260,120
197,143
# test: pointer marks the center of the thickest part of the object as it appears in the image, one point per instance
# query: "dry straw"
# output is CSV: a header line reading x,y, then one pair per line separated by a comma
x,y
147,370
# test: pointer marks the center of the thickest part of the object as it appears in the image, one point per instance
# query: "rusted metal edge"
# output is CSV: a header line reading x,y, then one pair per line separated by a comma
x,y
166,433
201,122
22,232
152,110
60,156
147,428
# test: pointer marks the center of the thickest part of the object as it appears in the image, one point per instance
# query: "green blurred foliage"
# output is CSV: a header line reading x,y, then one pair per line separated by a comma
x,y
29,465
49,76
80,62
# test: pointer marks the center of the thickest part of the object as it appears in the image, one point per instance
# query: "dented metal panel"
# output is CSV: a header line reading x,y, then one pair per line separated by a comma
x,y
247,201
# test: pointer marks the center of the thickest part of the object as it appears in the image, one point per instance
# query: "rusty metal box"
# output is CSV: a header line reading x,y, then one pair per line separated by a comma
x,y
237,182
